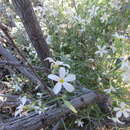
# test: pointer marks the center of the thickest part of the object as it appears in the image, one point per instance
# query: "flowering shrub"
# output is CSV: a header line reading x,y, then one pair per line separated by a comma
x,y
91,40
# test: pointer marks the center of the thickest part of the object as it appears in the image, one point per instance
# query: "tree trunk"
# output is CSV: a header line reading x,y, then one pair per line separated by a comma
x,y
25,11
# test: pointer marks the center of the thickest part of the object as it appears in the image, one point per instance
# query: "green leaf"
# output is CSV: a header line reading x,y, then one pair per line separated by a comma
x,y
70,106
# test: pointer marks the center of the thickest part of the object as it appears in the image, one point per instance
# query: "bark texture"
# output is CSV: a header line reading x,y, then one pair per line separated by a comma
x,y
35,121
25,11
9,57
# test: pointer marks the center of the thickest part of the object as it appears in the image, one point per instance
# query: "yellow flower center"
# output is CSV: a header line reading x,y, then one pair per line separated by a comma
x,y
55,66
61,80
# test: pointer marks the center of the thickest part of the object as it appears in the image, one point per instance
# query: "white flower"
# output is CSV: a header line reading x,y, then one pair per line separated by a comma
x,y
49,39
111,89
115,4
113,48
125,66
23,100
16,87
119,36
126,77
40,95
79,19
104,17
62,80
79,123
3,99
39,110
101,50
116,120
56,64
122,110
93,11
20,108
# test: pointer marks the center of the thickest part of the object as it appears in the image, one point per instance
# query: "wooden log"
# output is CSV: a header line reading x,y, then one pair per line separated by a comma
x,y
9,57
8,100
34,121
25,11
38,68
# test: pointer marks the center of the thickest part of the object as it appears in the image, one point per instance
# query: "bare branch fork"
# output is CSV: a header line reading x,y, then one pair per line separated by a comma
x,y
6,32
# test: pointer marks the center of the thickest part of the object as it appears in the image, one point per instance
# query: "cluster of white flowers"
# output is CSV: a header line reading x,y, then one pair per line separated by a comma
x,y
116,4
16,83
104,17
122,110
110,90
38,108
79,123
56,64
64,77
20,108
119,36
49,39
93,11
125,67
79,19
101,51
116,120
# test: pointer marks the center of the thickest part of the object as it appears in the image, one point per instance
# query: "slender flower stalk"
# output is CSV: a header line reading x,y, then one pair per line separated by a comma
x,y
56,64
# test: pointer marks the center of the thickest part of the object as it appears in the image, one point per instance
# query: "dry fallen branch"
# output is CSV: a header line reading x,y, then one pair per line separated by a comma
x,y
11,41
35,121
3,62
9,57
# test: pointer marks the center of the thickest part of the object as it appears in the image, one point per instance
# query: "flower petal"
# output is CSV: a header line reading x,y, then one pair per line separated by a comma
x,y
107,91
116,109
122,105
70,77
68,87
53,77
62,72
50,59
66,65
58,63
57,88
126,115
127,109
119,114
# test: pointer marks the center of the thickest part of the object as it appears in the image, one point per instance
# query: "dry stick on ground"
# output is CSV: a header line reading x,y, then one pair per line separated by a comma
x,y
6,32
25,11
35,121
